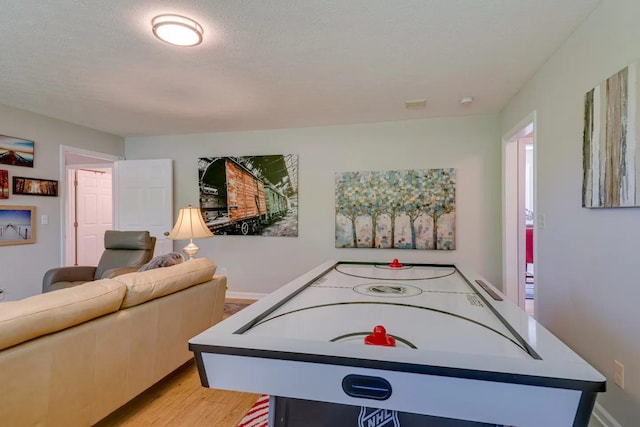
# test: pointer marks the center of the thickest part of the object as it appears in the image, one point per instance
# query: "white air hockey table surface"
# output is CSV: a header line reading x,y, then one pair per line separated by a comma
x,y
462,351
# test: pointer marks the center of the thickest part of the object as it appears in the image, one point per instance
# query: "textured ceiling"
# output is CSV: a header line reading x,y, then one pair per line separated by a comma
x,y
273,64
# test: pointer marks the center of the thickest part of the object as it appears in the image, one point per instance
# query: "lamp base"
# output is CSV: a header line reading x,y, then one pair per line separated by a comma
x,y
191,250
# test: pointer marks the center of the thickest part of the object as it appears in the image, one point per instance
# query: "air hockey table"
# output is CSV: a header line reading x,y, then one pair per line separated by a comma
x,y
392,345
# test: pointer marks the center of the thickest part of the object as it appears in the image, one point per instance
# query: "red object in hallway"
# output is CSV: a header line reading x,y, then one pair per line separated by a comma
x,y
529,245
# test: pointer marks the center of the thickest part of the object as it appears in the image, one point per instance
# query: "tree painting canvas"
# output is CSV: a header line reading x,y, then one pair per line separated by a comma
x,y
412,209
611,157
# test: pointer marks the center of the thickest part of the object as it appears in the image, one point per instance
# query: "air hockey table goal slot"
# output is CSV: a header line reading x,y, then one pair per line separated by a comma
x,y
488,290
366,387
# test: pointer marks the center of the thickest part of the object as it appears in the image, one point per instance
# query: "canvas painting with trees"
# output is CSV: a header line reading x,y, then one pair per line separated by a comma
x,y
412,209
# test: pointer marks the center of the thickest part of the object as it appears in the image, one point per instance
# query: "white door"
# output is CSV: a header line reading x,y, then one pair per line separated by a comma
x,y
93,213
143,198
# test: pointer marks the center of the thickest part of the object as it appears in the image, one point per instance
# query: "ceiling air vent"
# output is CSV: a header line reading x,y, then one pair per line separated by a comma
x,y
415,104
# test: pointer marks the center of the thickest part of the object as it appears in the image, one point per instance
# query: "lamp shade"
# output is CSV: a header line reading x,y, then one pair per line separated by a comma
x,y
189,225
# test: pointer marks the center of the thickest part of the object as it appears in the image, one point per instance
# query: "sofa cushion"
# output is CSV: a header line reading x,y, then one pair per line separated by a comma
x,y
151,284
53,311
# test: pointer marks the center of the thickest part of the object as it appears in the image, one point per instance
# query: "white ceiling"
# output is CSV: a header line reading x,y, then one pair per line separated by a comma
x,y
268,64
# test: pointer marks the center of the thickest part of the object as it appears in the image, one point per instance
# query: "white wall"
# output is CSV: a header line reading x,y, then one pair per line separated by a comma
x,y
262,264
588,291
22,266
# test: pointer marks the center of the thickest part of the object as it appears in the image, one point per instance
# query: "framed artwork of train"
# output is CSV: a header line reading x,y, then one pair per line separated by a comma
x,y
250,195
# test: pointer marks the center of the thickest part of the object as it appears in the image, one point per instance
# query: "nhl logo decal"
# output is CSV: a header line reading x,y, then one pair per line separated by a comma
x,y
374,417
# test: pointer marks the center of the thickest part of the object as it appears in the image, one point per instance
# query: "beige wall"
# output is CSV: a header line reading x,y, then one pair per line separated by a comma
x,y
262,264
22,266
587,265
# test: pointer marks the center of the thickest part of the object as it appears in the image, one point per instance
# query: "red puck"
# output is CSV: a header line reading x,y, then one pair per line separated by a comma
x,y
395,263
380,337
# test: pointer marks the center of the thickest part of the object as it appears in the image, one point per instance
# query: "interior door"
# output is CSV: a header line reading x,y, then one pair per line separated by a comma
x,y
93,213
144,198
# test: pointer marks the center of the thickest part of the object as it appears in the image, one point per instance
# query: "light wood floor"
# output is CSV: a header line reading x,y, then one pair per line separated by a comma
x,y
179,400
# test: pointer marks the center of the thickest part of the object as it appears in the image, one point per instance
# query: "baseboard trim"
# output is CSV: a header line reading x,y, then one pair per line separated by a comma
x,y
244,295
603,417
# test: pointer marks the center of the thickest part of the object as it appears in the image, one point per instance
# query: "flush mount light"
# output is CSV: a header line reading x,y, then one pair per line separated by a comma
x,y
466,100
177,30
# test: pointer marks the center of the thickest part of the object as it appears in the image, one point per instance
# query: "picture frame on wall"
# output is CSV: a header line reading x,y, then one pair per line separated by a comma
x,y
35,186
250,195
16,151
4,184
17,225
406,209
611,163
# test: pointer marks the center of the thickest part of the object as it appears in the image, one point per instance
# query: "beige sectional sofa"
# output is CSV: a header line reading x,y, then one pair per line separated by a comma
x,y
73,356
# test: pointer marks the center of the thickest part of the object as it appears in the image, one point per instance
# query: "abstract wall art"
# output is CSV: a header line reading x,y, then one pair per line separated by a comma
x,y
412,209
610,142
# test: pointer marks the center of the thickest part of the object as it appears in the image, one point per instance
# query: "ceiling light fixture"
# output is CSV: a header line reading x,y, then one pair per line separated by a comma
x,y
466,100
177,30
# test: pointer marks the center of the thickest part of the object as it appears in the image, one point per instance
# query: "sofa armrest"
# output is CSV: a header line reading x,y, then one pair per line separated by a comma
x,y
113,272
67,274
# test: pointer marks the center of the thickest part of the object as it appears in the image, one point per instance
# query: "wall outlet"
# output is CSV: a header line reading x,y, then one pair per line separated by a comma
x,y
222,271
541,221
618,374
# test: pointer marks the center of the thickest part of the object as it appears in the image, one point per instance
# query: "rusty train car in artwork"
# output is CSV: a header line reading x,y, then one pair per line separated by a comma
x,y
234,200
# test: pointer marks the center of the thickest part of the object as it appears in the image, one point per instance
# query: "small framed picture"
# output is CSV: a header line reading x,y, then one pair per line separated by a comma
x,y
35,186
4,184
16,151
17,225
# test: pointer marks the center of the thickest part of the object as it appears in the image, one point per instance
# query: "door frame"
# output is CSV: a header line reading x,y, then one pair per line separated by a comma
x,y
513,219
63,174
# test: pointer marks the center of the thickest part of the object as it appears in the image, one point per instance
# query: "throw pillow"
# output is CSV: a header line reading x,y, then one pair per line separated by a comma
x,y
165,260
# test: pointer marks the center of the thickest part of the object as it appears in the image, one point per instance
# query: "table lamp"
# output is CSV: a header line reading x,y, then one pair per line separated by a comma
x,y
190,225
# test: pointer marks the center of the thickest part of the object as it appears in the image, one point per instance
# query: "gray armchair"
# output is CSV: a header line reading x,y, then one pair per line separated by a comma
x,y
124,252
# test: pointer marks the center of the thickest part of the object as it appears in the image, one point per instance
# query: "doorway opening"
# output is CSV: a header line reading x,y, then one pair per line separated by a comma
x,y
519,214
86,205
529,274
